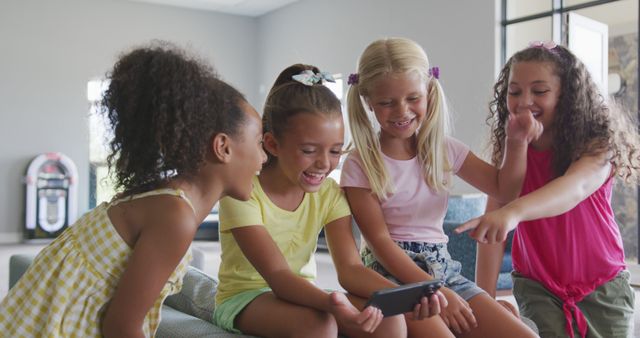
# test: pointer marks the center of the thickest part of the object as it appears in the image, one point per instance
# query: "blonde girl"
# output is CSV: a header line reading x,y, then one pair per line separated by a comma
x,y
397,183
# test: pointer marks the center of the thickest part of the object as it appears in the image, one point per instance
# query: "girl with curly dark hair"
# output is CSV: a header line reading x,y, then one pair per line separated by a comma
x,y
182,140
569,274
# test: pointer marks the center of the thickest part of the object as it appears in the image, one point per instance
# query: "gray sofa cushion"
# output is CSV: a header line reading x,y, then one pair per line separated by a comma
x,y
462,248
197,297
18,264
189,313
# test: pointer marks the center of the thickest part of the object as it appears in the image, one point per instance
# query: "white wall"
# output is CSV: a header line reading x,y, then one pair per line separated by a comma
x,y
50,49
458,36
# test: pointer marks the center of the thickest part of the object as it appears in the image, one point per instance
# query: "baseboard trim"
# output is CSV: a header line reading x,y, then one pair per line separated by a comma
x,y
11,237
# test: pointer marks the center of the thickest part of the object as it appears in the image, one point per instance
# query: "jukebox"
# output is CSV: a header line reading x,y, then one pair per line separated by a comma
x,y
51,196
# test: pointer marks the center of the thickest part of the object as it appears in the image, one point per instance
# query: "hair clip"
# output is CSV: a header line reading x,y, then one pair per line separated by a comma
x,y
435,72
353,79
549,45
309,78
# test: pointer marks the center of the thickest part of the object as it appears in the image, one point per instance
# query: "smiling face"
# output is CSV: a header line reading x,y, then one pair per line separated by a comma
x,y
534,86
248,154
309,149
399,102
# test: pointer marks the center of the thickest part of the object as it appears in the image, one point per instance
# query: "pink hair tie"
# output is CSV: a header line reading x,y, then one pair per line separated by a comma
x,y
548,45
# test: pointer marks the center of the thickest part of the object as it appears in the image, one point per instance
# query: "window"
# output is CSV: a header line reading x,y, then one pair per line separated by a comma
x,y
520,34
521,8
338,89
101,187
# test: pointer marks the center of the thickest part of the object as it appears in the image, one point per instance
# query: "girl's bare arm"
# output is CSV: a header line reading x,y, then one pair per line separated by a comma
x,y
582,178
158,249
489,259
257,245
368,215
265,256
352,274
504,184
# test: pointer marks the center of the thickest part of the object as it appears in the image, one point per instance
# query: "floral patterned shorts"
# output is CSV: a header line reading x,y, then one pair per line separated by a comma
x,y
435,260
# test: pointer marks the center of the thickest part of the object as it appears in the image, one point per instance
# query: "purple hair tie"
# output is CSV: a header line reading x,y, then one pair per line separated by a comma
x,y
435,72
353,79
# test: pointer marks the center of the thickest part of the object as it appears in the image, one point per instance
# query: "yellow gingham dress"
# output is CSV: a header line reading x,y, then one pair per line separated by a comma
x,y
65,290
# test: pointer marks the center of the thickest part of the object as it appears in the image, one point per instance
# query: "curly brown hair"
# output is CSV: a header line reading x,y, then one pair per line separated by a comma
x,y
588,124
289,97
164,108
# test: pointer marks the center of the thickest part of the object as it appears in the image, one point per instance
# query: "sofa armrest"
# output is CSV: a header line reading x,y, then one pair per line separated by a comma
x,y
462,248
18,264
197,297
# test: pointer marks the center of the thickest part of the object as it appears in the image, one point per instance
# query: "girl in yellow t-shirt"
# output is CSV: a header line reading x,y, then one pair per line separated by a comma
x,y
268,243
182,139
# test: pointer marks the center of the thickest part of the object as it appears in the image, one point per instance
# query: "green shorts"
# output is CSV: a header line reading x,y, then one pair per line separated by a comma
x,y
225,314
608,310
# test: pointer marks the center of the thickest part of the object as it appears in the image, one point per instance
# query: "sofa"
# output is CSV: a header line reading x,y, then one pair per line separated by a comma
x,y
462,247
189,313
186,314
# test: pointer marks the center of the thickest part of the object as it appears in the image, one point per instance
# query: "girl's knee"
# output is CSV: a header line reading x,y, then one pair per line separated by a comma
x,y
394,326
433,327
317,324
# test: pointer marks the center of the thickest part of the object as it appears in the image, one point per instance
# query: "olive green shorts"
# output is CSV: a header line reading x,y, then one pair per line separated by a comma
x,y
608,309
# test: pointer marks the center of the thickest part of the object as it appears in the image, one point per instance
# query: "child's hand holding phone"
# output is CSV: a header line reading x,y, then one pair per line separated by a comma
x,y
429,306
415,297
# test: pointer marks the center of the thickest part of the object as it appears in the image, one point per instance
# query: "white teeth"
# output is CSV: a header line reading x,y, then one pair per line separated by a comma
x,y
402,123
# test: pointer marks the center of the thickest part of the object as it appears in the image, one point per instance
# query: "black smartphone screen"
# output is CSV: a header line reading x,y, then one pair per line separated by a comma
x,y
401,299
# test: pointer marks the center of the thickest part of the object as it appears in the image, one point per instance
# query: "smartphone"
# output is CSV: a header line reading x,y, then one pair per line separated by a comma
x,y
401,299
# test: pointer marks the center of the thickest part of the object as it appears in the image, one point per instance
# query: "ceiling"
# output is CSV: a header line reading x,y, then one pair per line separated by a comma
x,y
239,7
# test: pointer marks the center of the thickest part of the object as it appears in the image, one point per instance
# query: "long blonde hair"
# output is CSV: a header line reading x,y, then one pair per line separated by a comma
x,y
386,57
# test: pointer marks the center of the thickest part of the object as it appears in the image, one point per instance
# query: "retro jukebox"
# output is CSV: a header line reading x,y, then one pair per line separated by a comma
x,y
51,196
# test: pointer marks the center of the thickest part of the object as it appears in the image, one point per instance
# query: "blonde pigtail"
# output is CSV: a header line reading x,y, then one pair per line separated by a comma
x,y
432,153
367,143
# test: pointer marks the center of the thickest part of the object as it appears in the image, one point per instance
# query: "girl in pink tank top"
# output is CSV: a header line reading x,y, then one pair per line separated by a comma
x,y
568,259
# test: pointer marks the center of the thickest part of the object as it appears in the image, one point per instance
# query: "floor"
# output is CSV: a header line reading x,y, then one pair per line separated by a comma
x,y
210,261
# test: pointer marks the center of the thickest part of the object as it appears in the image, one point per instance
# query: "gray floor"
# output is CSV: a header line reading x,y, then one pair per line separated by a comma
x,y
211,259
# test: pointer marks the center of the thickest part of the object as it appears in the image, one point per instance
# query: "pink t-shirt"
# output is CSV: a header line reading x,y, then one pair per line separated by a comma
x,y
573,253
413,212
